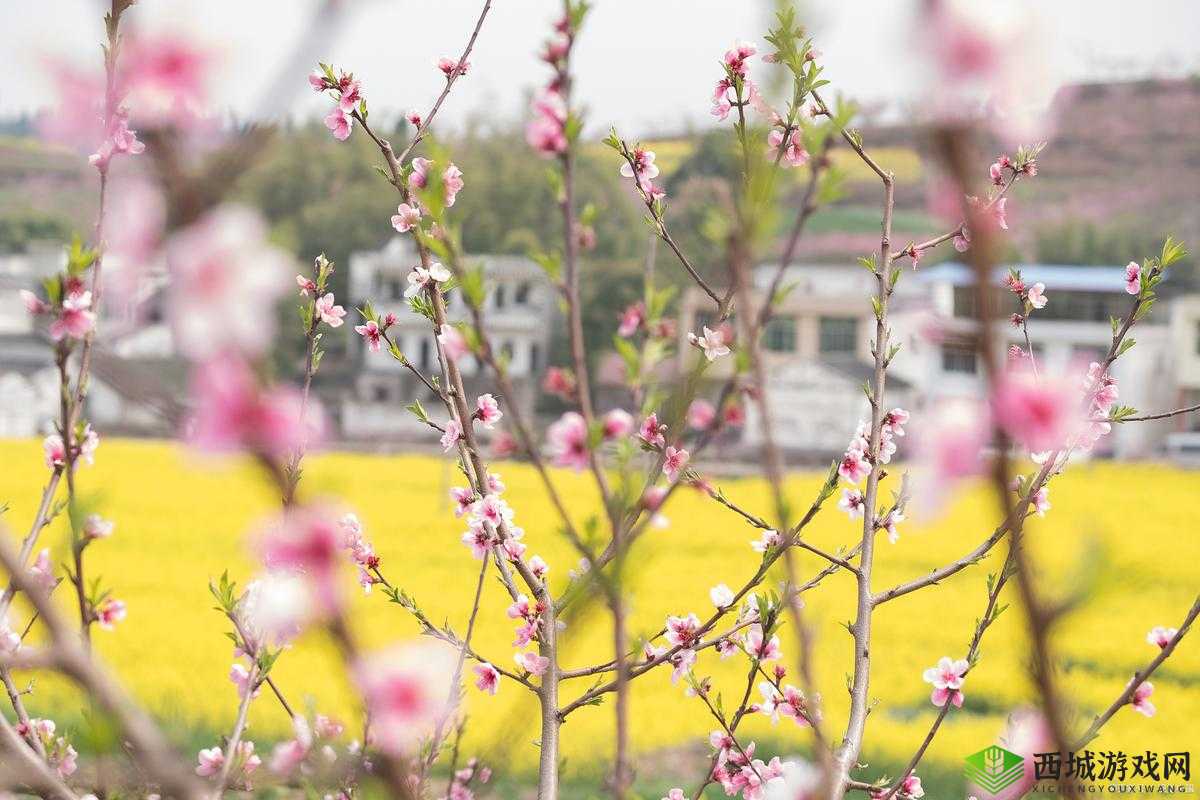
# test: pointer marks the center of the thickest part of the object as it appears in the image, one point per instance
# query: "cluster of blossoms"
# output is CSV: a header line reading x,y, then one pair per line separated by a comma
x,y
419,177
60,755
405,688
84,443
347,91
735,80
311,746
72,316
161,77
362,554
856,464
910,787
460,783
739,772
245,763
546,133
1031,297
634,318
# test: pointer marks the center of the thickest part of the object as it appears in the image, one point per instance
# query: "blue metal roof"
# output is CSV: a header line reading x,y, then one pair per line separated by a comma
x,y
1055,276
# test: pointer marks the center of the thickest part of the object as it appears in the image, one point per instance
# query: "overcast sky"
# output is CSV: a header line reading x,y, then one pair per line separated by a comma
x,y
646,65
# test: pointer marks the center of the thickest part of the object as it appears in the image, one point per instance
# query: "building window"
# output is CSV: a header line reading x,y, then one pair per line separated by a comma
x,y
535,356
965,305
506,350
424,353
958,358
839,334
780,335
1198,338
380,393
395,289
501,296
522,294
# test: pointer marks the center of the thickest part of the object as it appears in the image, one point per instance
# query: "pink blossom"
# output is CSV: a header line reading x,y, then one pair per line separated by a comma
x,y
307,285
854,466
109,613
449,67
240,676
225,280
406,217
288,756
852,503
488,411
330,314
653,497
546,132
674,462
76,319
371,334
487,678
768,540
339,123
165,76
421,278
451,432
683,631
33,304
306,541
721,596
794,154
414,118
478,538
118,141
682,660
651,431
947,679
1161,636
617,424
55,451
1026,734
452,182
568,440
559,381
632,319
532,663
454,345
418,178
643,168
97,527
211,760
233,413
675,794
405,689
701,415
950,445
1133,278
711,342
760,648
1037,296
1140,700
962,239
42,571
1037,414
736,56
539,567
1041,501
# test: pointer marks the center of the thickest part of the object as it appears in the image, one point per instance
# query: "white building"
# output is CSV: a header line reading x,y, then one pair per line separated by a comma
x,y
520,313
817,348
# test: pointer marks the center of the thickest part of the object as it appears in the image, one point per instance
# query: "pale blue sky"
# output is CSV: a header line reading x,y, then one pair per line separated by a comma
x,y
646,65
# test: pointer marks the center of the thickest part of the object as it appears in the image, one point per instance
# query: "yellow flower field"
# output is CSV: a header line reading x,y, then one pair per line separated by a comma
x,y
1125,533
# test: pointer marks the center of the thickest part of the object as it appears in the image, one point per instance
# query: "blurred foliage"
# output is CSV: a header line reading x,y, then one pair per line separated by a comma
x,y
1083,242
18,230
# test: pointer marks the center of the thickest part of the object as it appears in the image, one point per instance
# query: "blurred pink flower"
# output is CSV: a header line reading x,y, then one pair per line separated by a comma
x,y
568,441
404,689
225,280
1038,414
232,412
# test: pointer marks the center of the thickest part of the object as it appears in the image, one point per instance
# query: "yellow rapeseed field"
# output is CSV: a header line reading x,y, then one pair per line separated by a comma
x,y
1126,533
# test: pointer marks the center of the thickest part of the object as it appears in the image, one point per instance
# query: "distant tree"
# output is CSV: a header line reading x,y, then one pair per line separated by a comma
x,y
19,229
